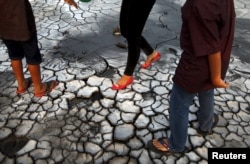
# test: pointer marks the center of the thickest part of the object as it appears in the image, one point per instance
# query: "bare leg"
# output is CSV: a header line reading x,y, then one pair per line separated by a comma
x,y
17,67
36,78
40,89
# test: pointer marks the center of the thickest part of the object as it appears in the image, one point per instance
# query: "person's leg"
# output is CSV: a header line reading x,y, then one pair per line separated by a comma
x,y
17,68
126,79
16,55
152,55
124,17
134,30
36,77
33,58
144,45
40,89
133,17
206,111
131,29
180,101
137,17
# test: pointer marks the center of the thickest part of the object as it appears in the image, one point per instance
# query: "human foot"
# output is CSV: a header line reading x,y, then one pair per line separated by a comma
x,y
205,133
46,88
151,58
123,82
161,144
27,84
219,83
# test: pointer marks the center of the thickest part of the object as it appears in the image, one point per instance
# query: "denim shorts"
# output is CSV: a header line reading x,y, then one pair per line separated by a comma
x,y
17,50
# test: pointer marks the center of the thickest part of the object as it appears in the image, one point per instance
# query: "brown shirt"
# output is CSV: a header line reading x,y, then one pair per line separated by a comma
x,y
16,20
208,27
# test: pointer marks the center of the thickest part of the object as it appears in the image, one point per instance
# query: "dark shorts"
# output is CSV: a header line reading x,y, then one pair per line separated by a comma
x,y
17,50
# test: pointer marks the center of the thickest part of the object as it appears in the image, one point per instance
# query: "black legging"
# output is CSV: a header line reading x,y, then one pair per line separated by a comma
x,y
133,16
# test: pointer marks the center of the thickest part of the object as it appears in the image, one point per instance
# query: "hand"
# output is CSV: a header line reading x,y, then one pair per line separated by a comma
x,y
219,83
71,3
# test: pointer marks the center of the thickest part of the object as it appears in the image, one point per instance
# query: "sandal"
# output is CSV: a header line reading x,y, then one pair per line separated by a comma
x,y
28,84
163,143
205,133
50,85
